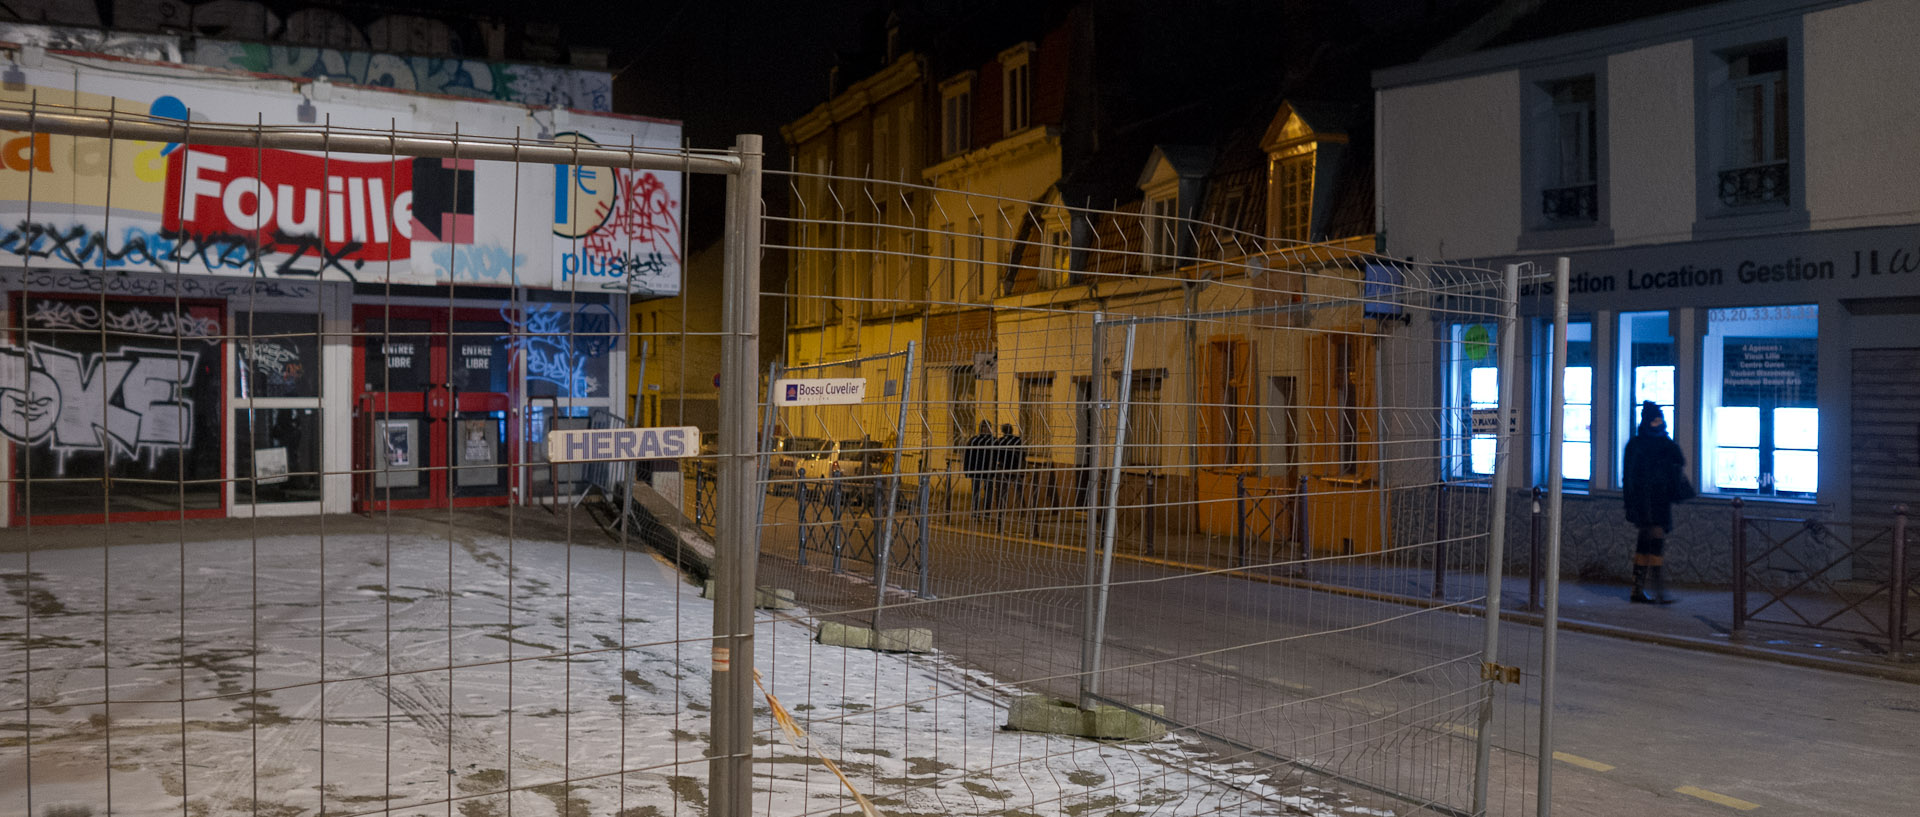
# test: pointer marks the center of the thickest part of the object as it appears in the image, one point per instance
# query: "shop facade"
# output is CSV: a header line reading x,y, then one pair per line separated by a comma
x,y
209,331
1723,181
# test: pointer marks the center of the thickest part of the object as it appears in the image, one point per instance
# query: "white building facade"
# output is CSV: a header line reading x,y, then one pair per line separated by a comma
x,y
209,331
1734,187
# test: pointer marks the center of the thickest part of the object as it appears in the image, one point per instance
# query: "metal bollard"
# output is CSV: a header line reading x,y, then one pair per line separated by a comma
x,y
1897,600
1239,520
926,559
1440,545
1302,531
836,536
1148,511
1739,568
1533,545
800,504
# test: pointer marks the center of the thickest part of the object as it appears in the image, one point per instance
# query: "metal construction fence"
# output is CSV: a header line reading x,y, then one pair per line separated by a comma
x,y
1111,527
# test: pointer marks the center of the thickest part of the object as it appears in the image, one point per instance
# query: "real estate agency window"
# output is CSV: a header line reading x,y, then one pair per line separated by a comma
x,y
1754,170
1648,370
1569,184
1472,397
1016,65
1576,447
1760,422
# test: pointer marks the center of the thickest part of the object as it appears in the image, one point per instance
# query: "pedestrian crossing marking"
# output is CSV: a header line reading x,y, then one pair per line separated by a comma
x,y
1717,798
1584,763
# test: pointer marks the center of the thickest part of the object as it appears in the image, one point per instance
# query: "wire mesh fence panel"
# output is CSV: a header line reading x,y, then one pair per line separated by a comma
x,y
280,535
285,532
1177,479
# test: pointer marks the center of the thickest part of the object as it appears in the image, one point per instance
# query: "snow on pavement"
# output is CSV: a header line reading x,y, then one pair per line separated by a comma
x,y
482,675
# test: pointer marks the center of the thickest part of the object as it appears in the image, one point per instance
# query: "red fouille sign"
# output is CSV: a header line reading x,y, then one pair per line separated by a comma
x,y
364,211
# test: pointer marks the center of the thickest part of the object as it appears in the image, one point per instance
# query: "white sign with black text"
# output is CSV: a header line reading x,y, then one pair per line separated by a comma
x,y
609,444
833,391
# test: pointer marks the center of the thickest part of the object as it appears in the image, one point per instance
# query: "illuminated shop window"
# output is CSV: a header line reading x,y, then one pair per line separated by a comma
x,y
1647,361
1760,431
1576,449
1473,399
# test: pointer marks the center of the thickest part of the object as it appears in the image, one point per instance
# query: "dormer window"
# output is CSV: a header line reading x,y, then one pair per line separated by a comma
x,y
1295,148
956,115
1016,66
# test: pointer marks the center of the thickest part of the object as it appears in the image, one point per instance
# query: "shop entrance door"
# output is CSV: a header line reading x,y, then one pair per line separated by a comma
x,y
432,420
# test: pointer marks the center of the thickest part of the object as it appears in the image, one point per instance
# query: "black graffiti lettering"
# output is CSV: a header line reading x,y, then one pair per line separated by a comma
x,y
171,250
298,247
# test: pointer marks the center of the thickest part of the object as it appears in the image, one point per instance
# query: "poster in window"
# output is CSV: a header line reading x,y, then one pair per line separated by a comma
x,y
1769,371
397,441
269,466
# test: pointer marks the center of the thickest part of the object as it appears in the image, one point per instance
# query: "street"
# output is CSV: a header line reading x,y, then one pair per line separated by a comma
x,y
1384,694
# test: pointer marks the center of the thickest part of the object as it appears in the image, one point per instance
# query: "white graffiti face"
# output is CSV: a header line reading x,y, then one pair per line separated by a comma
x,y
123,404
28,414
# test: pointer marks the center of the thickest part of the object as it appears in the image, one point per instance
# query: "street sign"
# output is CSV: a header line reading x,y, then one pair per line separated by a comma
x,y
832,391
608,444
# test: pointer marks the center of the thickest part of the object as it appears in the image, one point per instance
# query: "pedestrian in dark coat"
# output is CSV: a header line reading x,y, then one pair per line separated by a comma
x,y
976,460
1010,458
1653,478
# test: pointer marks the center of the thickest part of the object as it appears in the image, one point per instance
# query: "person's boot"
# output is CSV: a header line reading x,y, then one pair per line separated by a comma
x,y
1660,585
1640,586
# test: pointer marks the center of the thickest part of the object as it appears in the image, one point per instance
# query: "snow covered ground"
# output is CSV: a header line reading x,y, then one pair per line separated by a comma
x,y
481,675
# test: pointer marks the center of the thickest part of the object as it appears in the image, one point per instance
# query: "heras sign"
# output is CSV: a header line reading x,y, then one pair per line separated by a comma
x,y
605,444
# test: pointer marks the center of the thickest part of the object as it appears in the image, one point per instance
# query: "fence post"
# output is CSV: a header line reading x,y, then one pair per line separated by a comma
x,y
1440,535
1239,520
1897,600
1533,545
1739,568
1097,633
885,553
729,770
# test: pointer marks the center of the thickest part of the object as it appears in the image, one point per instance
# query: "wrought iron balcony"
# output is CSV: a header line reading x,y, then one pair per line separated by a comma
x,y
1759,184
1567,205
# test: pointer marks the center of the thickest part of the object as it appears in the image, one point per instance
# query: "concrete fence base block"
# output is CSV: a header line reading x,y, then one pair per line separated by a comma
x,y
766,598
905,639
1037,713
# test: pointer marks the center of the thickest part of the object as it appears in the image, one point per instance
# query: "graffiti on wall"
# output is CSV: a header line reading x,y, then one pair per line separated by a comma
x,y
85,317
127,404
539,86
620,228
85,281
566,350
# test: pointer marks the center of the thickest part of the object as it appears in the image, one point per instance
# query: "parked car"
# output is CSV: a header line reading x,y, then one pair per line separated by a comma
x,y
855,465
793,457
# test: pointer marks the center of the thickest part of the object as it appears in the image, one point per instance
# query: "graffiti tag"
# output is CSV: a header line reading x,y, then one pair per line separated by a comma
x,y
558,344
122,404
170,250
69,315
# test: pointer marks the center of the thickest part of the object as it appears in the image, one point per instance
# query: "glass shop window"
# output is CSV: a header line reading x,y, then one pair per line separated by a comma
x,y
1760,421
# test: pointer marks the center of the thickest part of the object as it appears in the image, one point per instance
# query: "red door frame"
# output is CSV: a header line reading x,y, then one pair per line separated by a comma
x,y
433,402
18,513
